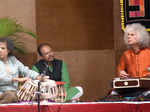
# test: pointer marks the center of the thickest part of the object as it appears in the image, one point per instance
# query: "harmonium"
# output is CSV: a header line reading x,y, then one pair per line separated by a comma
x,y
131,83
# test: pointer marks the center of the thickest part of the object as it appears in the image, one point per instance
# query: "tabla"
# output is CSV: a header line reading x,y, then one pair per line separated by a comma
x,y
53,91
61,95
49,90
28,91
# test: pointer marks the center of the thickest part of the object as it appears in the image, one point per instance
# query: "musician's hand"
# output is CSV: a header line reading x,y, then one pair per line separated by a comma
x,y
147,76
45,78
38,77
23,79
123,74
42,78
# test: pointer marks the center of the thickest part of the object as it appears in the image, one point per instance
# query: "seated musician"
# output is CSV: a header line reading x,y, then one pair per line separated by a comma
x,y
56,70
135,61
10,69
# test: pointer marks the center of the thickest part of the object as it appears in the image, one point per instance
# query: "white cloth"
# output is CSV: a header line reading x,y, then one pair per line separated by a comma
x,y
79,94
114,93
145,93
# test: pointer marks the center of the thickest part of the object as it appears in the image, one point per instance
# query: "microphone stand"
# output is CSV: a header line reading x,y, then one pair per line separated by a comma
x,y
38,95
39,84
39,90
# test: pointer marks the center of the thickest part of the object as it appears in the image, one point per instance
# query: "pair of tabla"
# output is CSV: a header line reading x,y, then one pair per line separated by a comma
x,y
49,90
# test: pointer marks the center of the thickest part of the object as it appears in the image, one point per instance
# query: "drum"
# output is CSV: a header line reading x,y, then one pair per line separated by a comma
x,y
53,91
28,91
61,95
49,90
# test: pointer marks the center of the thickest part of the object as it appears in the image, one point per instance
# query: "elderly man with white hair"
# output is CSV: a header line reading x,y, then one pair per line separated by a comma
x,y
135,61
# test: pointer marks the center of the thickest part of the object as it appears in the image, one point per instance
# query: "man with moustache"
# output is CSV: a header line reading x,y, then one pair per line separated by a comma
x,y
56,70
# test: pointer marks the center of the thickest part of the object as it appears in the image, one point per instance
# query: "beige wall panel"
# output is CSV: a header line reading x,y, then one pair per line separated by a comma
x,y
75,24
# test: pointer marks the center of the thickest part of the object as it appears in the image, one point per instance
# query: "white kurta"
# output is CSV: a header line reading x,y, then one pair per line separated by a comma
x,y
15,68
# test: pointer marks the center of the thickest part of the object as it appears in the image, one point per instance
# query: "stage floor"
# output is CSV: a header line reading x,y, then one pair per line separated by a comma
x,y
78,107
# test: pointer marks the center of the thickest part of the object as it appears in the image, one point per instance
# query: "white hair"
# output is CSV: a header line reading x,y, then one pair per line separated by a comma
x,y
142,35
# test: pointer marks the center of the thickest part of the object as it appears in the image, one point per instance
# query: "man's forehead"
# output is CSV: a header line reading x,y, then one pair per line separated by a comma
x,y
46,48
3,43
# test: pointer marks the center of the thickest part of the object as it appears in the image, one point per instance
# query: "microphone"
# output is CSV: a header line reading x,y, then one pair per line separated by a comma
x,y
46,71
38,95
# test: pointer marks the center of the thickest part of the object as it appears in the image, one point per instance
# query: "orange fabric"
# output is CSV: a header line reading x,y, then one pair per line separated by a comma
x,y
135,65
142,8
